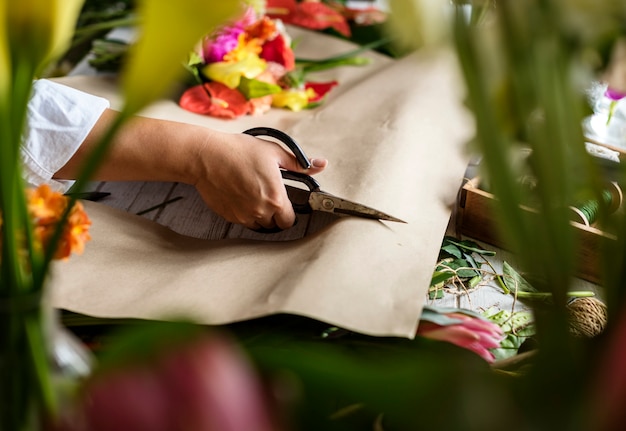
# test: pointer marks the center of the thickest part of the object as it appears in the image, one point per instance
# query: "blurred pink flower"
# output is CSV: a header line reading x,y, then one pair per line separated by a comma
x,y
613,94
473,333
205,385
608,390
217,47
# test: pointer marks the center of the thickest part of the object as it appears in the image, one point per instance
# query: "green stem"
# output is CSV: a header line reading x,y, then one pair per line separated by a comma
x,y
612,106
345,55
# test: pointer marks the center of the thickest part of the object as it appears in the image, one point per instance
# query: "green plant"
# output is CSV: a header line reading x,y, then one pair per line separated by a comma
x,y
526,65
33,34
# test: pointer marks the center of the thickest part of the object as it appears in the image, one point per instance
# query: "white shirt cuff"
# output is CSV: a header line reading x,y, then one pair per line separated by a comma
x,y
59,118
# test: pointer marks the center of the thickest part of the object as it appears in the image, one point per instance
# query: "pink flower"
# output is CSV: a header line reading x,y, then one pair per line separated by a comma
x,y
473,333
217,47
608,390
201,385
614,95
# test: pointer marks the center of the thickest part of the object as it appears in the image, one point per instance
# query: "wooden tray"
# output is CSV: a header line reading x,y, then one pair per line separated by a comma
x,y
475,219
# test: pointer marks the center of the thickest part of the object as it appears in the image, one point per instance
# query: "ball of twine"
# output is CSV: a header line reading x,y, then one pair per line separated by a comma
x,y
588,317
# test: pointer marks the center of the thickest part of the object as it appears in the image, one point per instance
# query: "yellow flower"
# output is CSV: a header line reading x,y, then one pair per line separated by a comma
x,y
244,49
170,29
296,100
230,73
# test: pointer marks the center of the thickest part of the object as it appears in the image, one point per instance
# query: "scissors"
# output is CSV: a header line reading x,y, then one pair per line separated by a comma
x,y
315,199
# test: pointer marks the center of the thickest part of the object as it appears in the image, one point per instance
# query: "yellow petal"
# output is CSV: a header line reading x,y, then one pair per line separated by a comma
x,y
296,100
230,73
170,30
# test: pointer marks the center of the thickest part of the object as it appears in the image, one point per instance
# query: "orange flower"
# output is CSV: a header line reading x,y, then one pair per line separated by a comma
x,y
46,208
264,29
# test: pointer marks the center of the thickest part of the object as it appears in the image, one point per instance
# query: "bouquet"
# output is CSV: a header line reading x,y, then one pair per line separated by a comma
x,y
249,66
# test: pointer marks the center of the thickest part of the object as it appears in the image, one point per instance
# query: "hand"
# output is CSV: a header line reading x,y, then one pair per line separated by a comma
x,y
239,178
237,175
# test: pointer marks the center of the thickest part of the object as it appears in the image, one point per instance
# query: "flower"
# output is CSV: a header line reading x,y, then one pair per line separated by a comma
x,y
140,84
201,383
229,73
614,96
472,333
252,56
320,89
46,209
294,99
215,99
313,15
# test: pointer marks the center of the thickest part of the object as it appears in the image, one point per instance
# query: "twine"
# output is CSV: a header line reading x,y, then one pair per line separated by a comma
x,y
587,212
588,317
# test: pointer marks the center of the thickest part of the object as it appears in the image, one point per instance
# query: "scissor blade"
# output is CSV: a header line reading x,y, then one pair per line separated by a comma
x,y
321,201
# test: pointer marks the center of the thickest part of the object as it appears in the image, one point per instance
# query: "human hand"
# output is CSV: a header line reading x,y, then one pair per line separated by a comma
x,y
239,178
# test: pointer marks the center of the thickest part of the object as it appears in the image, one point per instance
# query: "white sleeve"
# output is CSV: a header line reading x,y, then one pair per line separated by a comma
x,y
59,118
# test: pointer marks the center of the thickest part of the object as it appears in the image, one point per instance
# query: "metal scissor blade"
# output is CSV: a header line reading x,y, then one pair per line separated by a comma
x,y
322,201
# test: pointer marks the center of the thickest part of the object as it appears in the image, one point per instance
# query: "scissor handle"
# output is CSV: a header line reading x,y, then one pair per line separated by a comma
x,y
305,179
301,206
285,139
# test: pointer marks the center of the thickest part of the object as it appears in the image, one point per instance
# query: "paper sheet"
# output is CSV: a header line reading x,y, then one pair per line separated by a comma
x,y
394,133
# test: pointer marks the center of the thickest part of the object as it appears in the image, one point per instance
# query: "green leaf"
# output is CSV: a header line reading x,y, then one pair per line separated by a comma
x,y
452,249
462,268
436,294
440,277
518,322
194,59
469,246
253,88
514,280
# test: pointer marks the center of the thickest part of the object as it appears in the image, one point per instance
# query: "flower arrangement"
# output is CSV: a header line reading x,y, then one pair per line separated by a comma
x,y
249,66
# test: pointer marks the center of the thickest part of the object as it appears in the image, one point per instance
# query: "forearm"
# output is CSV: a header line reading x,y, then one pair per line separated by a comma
x,y
144,149
237,175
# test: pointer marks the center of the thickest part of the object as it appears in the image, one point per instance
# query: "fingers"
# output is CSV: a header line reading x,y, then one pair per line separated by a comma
x,y
288,161
280,217
317,165
285,217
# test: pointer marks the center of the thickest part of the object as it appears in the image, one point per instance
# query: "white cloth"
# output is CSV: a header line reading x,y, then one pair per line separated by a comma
x,y
59,119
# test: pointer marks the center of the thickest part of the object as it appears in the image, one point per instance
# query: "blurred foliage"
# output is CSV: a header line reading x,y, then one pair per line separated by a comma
x,y
525,64
526,67
97,18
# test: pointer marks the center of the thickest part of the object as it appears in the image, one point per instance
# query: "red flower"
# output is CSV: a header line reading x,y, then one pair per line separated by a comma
x,y
214,99
308,14
278,51
320,88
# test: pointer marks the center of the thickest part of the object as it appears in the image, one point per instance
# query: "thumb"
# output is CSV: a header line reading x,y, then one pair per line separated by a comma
x,y
290,163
